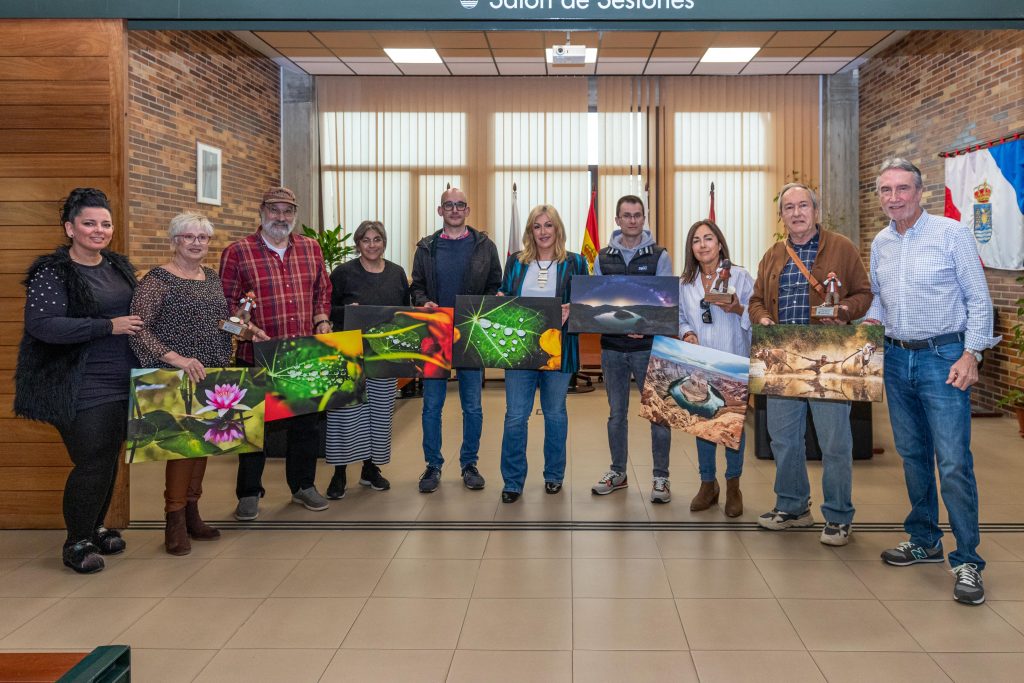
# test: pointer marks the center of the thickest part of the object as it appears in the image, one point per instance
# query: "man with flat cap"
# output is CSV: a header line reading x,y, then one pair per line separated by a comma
x,y
293,299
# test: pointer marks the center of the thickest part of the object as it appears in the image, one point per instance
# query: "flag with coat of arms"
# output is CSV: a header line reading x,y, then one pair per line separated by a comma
x,y
591,238
985,192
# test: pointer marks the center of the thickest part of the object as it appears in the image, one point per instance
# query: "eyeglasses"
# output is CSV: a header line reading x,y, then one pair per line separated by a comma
x,y
189,238
287,213
631,216
452,206
371,240
705,317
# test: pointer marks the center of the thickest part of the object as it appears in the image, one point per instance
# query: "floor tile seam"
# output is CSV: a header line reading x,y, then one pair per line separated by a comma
x,y
920,645
1005,620
56,604
12,631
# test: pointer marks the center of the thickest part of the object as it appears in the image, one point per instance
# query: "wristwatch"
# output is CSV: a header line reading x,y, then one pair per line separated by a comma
x,y
977,354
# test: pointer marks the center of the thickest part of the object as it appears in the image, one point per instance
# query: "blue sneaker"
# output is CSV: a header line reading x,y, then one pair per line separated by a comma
x,y
472,478
430,479
908,553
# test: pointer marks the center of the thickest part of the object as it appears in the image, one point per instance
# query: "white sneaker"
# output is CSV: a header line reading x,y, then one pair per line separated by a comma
x,y
835,534
661,491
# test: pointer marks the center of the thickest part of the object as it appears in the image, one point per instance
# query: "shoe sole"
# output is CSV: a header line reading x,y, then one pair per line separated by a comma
x,y
80,571
474,488
241,518
367,482
428,490
334,496
660,501
907,563
834,542
310,507
611,490
781,526
969,602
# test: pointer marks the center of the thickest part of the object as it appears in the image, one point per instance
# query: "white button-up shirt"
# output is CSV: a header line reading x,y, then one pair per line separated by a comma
x,y
930,281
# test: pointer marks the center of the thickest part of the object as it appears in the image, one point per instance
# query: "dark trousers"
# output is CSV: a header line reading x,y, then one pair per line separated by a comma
x,y
303,439
93,440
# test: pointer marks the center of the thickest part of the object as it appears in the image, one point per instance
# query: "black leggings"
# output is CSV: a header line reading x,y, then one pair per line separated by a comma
x,y
93,441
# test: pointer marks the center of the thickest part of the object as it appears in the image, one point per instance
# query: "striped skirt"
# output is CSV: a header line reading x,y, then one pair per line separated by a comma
x,y
363,432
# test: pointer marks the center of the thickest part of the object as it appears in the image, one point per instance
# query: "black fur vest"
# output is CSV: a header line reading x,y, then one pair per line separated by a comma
x,y
47,377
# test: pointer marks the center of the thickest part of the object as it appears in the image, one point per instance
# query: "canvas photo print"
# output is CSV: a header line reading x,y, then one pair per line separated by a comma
x,y
312,374
402,341
171,417
839,362
624,304
697,390
508,332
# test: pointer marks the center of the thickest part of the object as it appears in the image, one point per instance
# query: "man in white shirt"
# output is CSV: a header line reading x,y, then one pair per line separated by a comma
x,y
931,295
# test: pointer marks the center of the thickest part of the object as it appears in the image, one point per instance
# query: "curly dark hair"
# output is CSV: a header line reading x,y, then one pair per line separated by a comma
x,y
82,198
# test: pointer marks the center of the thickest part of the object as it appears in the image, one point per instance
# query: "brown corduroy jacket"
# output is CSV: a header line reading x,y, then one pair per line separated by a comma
x,y
837,254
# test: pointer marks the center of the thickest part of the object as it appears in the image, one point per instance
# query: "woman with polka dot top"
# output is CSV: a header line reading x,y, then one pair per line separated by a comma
x,y
181,304
73,367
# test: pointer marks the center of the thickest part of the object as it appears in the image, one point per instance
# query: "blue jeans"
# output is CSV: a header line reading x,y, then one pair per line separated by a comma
x,y
787,423
520,388
435,391
706,451
931,421
617,366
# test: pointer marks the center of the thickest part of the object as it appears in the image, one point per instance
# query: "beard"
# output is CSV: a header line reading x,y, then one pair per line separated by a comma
x,y
277,230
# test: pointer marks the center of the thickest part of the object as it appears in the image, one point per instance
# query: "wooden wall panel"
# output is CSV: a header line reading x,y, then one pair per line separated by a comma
x,y
62,120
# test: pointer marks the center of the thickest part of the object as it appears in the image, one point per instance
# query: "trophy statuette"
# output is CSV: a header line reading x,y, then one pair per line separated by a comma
x,y
238,323
829,308
720,292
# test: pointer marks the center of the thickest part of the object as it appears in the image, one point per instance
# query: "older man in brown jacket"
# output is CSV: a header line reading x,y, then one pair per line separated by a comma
x,y
787,289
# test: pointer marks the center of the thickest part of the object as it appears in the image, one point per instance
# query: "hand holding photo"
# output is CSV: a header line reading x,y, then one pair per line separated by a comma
x,y
170,417
839,362
508,332
312,374
624,304
697,389
402,341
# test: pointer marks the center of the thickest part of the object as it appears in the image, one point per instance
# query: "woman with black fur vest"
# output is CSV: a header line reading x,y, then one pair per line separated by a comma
x,y
74,363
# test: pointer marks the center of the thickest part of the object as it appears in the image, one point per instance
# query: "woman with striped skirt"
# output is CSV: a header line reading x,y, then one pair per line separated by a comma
x,y
363,433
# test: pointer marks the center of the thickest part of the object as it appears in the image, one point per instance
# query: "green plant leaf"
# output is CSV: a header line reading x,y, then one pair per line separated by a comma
x,y
154,426
188,445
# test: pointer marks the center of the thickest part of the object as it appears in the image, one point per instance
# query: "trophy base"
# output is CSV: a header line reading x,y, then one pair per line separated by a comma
x,y
237,329
718,297
824,312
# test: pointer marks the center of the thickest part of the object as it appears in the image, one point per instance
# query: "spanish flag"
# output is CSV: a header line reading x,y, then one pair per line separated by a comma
x,y
591,239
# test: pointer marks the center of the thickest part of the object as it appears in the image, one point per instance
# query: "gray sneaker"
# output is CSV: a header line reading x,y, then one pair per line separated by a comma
x,y
968,588
248,508
661,492
310,499
611,481
777,520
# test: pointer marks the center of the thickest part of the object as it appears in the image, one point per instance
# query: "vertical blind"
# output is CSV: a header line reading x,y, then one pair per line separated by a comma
x,y
390,147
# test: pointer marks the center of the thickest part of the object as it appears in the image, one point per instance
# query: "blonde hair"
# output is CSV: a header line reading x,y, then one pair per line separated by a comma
x,y
529,252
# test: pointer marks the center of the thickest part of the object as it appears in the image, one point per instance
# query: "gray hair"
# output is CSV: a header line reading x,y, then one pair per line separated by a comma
x,y
900,164
367,226
182,221
789,186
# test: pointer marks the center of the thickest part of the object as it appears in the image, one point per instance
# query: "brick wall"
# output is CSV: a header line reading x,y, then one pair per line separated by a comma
x,y
936,91
194,86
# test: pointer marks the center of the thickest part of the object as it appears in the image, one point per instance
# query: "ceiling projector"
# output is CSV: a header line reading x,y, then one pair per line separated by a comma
x,y
568,54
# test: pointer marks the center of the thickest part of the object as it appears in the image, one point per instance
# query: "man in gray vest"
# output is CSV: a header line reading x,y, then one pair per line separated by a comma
x,y
630,251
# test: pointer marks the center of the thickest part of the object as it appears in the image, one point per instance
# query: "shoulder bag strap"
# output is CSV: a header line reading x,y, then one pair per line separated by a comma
x,y
803,269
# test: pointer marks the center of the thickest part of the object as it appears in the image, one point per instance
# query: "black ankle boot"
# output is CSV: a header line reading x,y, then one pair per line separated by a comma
x,y
108,541
83,557
336,489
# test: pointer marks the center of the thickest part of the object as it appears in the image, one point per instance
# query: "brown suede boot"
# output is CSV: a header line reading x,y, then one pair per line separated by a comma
x,y
198,530
706,496
175,534
733,498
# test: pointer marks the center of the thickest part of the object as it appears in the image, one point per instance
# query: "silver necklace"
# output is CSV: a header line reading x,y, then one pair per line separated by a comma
x,y
542,274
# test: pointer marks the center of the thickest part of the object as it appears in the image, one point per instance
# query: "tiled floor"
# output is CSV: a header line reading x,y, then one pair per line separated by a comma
x,y
705,599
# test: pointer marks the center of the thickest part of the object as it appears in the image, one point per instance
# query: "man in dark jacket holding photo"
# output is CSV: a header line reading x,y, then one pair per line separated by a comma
x,y
457,259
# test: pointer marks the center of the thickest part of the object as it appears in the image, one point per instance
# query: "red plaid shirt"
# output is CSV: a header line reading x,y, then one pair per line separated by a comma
x,y
289,293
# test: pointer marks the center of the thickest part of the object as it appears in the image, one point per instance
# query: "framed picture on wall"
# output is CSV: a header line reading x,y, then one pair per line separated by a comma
x,y
208,160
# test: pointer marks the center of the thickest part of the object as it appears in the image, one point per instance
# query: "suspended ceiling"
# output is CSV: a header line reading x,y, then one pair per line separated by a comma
x,y
521,53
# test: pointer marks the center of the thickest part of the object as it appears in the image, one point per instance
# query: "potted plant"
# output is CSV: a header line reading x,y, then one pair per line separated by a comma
x,y
1014,398
332,244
